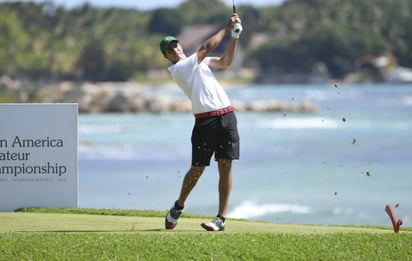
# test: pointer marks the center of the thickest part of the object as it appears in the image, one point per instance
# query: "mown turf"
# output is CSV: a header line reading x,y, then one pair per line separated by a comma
x,y
36,235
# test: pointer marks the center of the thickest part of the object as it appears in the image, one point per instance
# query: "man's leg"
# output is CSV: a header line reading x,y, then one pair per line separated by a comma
x,y
189,182
225,184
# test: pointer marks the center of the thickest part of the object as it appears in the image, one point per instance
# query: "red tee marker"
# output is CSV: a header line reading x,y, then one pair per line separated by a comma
x,y
396,224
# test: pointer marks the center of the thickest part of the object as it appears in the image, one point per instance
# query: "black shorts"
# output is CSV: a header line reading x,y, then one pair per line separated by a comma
x,y
218,135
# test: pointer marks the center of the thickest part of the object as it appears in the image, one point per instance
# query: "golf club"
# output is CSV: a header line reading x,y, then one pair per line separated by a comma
x,y
237,25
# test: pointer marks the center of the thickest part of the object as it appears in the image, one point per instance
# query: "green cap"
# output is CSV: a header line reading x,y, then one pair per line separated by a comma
x,y
164,44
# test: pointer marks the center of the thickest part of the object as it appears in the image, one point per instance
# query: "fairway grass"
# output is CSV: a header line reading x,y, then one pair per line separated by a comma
x,y
121,235
49,222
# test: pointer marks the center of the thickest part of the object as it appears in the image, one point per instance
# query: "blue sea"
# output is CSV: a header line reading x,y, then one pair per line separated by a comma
x,y
339,165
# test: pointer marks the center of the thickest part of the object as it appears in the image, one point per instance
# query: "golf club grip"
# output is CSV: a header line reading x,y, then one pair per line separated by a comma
x,y
234,9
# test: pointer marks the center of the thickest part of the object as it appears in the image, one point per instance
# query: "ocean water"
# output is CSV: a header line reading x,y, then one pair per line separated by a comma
x,y
340,165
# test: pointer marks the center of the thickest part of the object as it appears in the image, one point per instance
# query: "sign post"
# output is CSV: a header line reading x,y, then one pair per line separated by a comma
x,y
38,156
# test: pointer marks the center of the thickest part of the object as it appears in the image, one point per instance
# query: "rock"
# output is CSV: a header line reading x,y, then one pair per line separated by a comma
x,y
128,98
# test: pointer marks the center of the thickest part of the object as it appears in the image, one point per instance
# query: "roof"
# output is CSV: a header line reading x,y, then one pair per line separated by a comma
x,y
192,36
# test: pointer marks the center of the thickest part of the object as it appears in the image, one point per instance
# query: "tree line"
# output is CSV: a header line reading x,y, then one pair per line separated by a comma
x,y
46,41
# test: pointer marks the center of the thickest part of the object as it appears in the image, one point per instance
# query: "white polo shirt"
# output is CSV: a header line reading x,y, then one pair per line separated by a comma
x,y
199,84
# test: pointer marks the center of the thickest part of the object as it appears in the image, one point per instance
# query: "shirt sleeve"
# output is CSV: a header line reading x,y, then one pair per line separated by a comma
x,y
207,60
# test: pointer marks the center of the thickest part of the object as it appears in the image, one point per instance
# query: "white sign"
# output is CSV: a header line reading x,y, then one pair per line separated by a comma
x,y
38,156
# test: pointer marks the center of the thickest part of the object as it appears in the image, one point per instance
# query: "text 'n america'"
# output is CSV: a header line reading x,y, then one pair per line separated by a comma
x,y
18,142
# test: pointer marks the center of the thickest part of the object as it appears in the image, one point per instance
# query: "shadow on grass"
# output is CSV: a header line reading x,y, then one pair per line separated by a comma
x,y
93,231
112,231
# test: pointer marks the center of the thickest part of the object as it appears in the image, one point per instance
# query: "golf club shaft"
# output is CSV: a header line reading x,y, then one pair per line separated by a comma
x,y
234,7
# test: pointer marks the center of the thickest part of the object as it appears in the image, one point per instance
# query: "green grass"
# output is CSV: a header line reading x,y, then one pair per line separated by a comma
x,y
93,234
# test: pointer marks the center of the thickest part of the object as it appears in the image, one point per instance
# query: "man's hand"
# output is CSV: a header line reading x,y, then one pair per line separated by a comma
x,y
235,26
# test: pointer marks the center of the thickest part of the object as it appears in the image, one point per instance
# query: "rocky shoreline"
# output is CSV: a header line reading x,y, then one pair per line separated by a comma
x,y
127,97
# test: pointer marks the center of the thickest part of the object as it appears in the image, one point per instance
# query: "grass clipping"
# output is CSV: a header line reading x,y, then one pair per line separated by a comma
x,y
93,234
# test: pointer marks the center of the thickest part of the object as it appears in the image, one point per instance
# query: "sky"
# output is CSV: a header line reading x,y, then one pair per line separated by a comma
x,y
146,4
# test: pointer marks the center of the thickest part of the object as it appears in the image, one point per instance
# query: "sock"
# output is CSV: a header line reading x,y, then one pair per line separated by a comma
x,y
177,206
221,218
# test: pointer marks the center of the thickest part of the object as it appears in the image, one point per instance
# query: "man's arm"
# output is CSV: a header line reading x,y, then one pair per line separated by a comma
x,y
225,61
214,41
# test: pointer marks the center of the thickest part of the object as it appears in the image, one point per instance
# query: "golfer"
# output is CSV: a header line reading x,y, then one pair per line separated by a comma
x,y
215,130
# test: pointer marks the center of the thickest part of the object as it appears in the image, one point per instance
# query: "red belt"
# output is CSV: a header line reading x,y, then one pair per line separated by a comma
x,y
214,113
